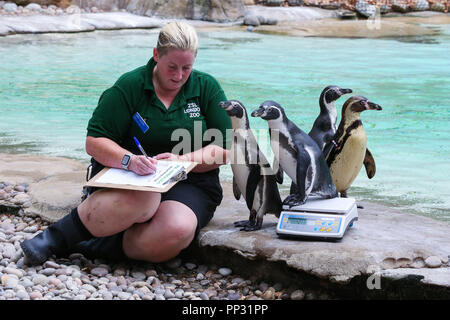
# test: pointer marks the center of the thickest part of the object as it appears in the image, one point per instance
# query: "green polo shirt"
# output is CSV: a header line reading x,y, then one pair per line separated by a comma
x,y
194,110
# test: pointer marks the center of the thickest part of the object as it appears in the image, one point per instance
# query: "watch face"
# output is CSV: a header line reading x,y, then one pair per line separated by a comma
x,y
126,160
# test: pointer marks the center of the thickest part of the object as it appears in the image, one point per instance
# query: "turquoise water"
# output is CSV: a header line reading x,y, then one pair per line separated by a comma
x,y
50,84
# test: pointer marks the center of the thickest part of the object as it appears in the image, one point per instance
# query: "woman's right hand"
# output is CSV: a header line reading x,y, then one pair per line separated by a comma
x,y
142,165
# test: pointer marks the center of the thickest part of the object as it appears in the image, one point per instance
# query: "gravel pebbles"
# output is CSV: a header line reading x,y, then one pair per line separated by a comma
x,y
78,278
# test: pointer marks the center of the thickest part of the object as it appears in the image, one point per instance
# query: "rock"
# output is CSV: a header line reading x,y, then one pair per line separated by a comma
x,y
295,3
10,7
385,8
168,294
222,10
51,264
365,9
26,282
233,296
33,7
139,276
269,294
99,271
297,295
14,271
73,9
35,295
22,295
3,195
48,271
174,263
58,3
331,6
19,188
9,281
400,7
274,3
225,271
40,279
190,266
55,282
31,229
250,20
421,5
7,250
433,262
437,6
200,276
159,297
263,20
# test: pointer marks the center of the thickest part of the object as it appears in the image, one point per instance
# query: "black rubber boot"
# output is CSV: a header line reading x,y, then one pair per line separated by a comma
x,y
108,248
57,239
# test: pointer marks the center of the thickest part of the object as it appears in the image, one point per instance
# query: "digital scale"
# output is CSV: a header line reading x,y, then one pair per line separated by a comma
x,y
325,219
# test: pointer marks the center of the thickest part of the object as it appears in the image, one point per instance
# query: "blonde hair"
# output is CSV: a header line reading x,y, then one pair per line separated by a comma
x,y
177,35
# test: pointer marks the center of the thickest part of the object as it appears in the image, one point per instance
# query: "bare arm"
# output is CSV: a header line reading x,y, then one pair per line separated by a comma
x,y
110,154
208,158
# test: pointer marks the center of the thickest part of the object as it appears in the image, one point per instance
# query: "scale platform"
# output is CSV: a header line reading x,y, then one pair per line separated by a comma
x,y
318,218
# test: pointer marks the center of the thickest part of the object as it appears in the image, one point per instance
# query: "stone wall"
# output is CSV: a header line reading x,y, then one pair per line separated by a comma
x,y
209,10
106,5
59,3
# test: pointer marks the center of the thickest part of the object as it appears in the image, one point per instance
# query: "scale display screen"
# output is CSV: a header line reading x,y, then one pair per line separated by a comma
x,y
297,220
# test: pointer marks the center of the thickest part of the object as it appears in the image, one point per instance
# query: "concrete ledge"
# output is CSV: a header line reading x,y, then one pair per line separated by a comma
x,y
384,243
55,183
399,255
75,23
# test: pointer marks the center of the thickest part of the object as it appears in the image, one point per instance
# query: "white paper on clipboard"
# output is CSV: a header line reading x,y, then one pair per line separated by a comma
x,y
166,171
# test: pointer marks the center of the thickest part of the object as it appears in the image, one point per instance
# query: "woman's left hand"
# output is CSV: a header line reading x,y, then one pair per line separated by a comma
x,y
167,156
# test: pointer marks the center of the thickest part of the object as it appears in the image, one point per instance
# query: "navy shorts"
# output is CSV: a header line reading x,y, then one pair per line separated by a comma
x,y
201,192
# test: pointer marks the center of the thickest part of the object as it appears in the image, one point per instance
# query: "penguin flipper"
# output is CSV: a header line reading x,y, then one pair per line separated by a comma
x,y
236,191
252,183
279,172
369,164
328,149
303,164
293,188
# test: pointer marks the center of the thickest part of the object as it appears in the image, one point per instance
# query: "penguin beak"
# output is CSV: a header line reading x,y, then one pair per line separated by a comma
x,y
372,106
345,91
226,105
258,112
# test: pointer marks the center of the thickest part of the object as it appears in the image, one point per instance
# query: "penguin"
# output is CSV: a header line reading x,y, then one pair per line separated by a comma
x,y
253,177
324,126
347,151
297,154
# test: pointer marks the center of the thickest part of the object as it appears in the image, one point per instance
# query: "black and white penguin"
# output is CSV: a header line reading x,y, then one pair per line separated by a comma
x,y
347,151
324,126
252,175
297,154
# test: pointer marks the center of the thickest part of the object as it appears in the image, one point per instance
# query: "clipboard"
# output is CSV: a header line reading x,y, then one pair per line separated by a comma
x,y
97,180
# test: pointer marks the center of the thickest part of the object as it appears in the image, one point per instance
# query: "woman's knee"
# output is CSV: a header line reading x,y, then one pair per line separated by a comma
x,y
181,231
162,238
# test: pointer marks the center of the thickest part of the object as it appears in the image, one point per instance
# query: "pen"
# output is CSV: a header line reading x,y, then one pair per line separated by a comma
x,y
140,147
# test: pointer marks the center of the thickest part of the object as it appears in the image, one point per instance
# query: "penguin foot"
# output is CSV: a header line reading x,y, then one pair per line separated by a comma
x,y
242,223
247,225
293,200
251,227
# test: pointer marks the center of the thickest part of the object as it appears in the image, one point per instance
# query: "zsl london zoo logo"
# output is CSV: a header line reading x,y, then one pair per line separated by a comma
x,y
193,110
